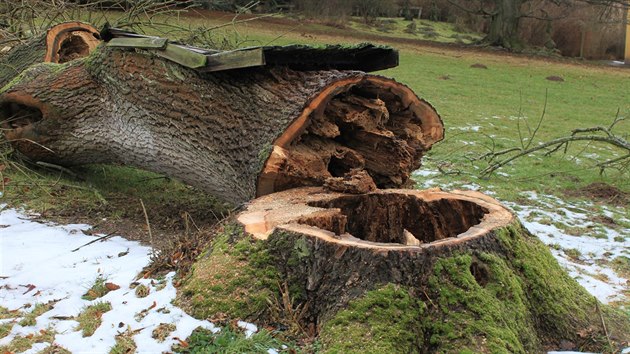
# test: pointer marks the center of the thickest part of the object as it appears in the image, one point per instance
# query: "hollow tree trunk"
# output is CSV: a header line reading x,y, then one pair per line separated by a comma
x,y
61,43
235,134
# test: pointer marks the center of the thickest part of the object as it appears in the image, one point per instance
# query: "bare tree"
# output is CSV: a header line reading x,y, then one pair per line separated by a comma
x,y
505,15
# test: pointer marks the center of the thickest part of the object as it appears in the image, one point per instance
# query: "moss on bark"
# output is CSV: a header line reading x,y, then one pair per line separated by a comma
x,y
511,298
233,278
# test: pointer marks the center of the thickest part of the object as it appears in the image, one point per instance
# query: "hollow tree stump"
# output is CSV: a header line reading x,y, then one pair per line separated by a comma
x,y
397,271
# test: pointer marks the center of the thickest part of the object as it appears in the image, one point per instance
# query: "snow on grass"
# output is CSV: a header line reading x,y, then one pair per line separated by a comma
x,y
38,266
581,245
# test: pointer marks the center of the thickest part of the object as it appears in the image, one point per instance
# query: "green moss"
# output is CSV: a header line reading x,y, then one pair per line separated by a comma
x,y
234,277
386,320
491,307
511,299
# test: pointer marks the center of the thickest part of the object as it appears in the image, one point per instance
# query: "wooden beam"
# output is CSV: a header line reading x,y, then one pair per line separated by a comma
x,y
182,56
142,43
235,59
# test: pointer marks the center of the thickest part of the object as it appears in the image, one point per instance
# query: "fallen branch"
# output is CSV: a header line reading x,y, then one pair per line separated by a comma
x,y
594,134
102,238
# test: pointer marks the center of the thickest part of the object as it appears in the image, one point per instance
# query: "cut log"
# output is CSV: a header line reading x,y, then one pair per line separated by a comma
x,y
236,134
61,43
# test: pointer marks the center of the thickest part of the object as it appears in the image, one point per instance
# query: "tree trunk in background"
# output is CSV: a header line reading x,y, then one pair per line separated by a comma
x,y
235,134
504,24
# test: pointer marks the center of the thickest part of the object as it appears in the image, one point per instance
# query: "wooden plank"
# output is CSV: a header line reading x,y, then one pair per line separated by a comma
x,y
365,57
235,59
142,43
182,56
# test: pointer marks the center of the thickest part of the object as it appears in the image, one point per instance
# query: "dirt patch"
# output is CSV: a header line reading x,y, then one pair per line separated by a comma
x,y
555,78
602,193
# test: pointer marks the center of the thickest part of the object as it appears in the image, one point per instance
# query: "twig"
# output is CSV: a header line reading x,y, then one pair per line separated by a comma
x,y
94,241
601,317
146,218
56,167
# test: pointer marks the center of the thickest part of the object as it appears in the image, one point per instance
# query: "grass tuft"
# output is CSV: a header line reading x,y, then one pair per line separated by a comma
x,y
30,319
90,318
124,343
98,290
22,343
228,341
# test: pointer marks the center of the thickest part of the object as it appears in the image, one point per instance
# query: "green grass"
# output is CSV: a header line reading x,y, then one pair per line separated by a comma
x,y
90,318
228,341
124,343
5,313
5,329
443,32
22,343
97,290
30,318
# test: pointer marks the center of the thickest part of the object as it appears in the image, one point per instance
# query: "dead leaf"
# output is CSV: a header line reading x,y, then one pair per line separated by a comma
x,y
29,288
112,286
183,343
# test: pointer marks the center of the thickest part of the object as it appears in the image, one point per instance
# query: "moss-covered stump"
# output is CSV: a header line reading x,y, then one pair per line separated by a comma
x,y
472,281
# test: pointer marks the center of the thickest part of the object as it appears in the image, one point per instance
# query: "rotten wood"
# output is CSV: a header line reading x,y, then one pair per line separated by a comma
x,y
349,243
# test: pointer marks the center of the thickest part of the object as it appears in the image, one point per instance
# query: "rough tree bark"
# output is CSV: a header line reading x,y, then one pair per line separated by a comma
x,y
504,22
236,134
61,43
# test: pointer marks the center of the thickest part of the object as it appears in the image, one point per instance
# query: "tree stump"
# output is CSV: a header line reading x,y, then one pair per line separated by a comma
x,y
397,270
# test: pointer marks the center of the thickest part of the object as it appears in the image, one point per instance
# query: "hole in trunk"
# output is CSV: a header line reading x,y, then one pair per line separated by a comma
x,y
398,218
374,127
14,115
73,47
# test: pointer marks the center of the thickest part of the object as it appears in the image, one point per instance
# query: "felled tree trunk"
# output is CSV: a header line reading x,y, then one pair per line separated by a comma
x,y
61,43
236,134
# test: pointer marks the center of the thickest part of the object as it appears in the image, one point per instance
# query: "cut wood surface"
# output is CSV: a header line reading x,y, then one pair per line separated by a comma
x,y
235,134
351,242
